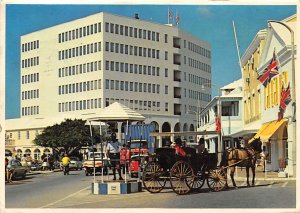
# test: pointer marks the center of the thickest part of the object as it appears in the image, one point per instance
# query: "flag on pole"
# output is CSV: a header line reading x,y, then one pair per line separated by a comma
x,y
269,72
177,18
218,124
170,16
285,98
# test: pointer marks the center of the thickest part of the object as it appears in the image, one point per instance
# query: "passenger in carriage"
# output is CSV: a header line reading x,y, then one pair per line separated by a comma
x,y
178,147
201,146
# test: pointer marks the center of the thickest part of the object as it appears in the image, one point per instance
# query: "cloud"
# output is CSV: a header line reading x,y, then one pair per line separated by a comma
x,y
205,11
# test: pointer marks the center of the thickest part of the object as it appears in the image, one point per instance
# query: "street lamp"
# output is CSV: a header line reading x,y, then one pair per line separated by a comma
x,y
219,115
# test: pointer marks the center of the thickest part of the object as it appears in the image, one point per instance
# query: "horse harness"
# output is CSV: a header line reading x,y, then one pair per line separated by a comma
x,y
235,156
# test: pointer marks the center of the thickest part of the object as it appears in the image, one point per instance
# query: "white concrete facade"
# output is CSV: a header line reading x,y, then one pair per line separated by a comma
x,y
77,68
282,144
231,119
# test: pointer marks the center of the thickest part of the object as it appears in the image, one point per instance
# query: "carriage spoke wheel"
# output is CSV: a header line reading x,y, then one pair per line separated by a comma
x,y
152,178
181,177
216,179
199,180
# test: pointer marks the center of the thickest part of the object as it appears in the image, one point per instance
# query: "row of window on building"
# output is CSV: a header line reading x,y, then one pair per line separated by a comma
x,y
79,105
35,77
199,80
31,94
133,68
31,110
79,32
27,134
29,62
272,92
36,153
79,87
79,51
30,46
198,49
79,69
131,32
198,95
133,50
199,65
138,104
134,86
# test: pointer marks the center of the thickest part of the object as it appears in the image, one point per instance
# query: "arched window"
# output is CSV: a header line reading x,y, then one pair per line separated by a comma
x,y
37,154
47,152
19,153
28,152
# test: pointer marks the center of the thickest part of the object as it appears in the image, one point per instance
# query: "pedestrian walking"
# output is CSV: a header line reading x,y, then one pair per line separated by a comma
x,y
9,168
23,160
29,162
113,151
51,162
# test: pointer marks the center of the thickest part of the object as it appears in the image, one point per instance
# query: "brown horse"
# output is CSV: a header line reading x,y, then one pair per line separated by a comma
x,y
245,157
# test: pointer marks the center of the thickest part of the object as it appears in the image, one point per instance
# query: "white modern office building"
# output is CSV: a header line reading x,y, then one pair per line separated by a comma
x,y
75,69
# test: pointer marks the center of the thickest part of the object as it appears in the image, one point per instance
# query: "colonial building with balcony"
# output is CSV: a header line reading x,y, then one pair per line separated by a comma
x,y
231,108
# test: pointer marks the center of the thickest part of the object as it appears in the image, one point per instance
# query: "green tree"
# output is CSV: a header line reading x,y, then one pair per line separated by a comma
x,y
70,135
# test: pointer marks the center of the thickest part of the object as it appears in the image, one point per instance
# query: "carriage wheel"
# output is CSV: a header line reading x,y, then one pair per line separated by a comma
x,y
216,179
181,177
153,179
199,180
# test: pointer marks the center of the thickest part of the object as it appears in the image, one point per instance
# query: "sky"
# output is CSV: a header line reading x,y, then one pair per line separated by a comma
x,y
211,23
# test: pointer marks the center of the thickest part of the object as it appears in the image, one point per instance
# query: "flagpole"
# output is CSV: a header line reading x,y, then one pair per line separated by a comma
x,y
168,15
237,47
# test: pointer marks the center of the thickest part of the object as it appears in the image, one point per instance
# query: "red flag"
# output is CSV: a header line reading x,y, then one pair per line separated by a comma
x,y
177,19
269,72
218,124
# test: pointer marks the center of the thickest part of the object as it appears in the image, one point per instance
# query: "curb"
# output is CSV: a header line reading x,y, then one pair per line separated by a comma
x,y
266,179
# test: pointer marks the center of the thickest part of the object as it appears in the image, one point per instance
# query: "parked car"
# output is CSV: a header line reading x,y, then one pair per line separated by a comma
x,y
36,166
75,163
19,170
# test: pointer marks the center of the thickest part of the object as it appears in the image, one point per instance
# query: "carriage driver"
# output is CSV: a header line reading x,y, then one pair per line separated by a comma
x,y
178,148
113,151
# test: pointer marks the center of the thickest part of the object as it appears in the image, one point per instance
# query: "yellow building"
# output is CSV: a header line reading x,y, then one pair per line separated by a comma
x,y
250,62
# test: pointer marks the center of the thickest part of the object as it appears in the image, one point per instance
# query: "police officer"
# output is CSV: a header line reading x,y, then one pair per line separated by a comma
x,y
113,151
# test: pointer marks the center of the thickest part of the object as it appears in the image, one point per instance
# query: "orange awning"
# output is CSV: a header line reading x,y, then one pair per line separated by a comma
x,y
268,129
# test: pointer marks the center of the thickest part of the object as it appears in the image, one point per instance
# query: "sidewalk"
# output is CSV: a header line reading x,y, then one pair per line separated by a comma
x,y
259,175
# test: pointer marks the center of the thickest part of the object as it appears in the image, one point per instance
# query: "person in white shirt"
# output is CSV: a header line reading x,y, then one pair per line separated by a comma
x,y
263,157
9,168
113,151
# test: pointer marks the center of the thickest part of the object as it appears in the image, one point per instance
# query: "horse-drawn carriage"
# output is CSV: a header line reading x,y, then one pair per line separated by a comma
x,y
191,172
184,173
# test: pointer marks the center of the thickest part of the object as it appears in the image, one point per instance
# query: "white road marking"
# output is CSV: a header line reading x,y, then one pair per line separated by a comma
x,y
108,198
284,185
71,195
